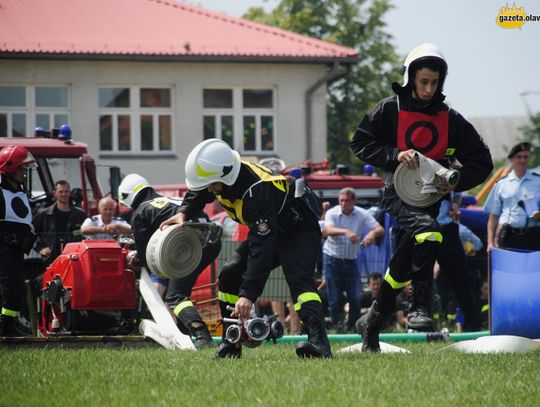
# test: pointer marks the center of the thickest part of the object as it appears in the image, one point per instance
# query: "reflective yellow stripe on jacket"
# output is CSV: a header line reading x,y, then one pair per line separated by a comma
x,y
234,208
10,312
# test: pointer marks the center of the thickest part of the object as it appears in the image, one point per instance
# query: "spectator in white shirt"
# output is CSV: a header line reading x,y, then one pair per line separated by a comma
x,y
105,226
343,228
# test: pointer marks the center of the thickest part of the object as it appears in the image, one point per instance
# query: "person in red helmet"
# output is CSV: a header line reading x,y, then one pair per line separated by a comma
x,y
416,120
16,233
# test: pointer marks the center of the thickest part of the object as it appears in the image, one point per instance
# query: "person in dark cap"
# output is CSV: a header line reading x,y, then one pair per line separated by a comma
x,y
519,147
514,205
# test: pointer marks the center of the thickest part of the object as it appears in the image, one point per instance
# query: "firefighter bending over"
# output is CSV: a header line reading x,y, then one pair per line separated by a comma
x,y
282,231
150,210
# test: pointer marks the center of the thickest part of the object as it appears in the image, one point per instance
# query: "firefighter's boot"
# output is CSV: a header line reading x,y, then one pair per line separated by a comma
x,y
203,339
228,350
419,317
7,326
317,345
191,323
369,327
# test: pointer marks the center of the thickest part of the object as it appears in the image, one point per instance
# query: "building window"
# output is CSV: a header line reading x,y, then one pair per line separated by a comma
x,y
136,120
242,117
218,98
25,107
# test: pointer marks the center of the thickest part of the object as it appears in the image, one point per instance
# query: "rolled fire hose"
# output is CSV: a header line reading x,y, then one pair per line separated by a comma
x,y
175,251
418,187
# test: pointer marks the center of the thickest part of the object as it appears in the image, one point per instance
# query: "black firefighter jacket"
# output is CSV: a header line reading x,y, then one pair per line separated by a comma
x,y
259,200
376,139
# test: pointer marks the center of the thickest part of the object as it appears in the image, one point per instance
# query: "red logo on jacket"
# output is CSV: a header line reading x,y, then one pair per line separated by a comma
x,y
424,133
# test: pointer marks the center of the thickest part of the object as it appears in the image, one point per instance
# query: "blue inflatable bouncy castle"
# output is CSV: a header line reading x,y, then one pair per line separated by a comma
x,y
515,293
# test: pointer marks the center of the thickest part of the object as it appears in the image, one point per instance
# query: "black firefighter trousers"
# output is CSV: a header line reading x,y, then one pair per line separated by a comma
x,y
413,260
296,252
12,288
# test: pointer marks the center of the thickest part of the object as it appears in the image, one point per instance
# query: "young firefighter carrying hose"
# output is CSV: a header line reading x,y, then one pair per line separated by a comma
x,y
416,120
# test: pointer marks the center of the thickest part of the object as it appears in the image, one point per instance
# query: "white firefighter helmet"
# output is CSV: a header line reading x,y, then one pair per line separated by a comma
x,y
211,161
130,186
425,53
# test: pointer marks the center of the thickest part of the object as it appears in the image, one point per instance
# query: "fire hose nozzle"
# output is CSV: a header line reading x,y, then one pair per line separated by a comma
x,y
254,330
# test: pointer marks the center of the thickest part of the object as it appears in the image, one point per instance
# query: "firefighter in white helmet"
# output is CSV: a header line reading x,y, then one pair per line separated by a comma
x,y
150,209
283,230
416,119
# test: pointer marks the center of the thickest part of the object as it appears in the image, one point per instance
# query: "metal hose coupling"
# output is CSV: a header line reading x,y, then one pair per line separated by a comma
x,y
254,330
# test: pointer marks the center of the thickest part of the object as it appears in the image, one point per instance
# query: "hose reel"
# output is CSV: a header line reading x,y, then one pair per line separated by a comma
x,y
418,187
175,251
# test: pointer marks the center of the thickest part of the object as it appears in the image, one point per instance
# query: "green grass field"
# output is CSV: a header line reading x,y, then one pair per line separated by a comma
x,y
270,375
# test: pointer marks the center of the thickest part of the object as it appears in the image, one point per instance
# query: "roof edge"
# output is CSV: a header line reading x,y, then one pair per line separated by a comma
x,y
249,24
180,58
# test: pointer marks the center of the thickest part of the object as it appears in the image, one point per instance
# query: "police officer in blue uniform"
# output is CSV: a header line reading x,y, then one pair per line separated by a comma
x,y
283,230
514,205
416,120
16,233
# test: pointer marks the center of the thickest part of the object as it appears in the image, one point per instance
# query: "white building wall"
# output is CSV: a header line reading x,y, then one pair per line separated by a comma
x,y
290,82
500,133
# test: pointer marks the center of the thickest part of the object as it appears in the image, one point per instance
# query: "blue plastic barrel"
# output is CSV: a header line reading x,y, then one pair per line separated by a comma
x,y
515,293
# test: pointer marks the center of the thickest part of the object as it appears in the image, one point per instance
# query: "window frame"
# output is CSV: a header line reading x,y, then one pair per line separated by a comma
x,y
135,113
238,112
30,110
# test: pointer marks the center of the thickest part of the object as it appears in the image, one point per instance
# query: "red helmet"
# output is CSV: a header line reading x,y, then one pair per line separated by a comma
x,y
12,157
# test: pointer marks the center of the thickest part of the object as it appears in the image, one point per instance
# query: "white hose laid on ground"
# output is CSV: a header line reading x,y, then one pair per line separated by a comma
x,y
165,332
152,330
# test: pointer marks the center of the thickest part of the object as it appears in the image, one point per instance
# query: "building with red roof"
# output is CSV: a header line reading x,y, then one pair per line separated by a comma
x,y
143,81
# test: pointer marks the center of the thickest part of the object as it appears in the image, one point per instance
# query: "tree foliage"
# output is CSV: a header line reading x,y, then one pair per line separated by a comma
x,y
356,24
532,135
